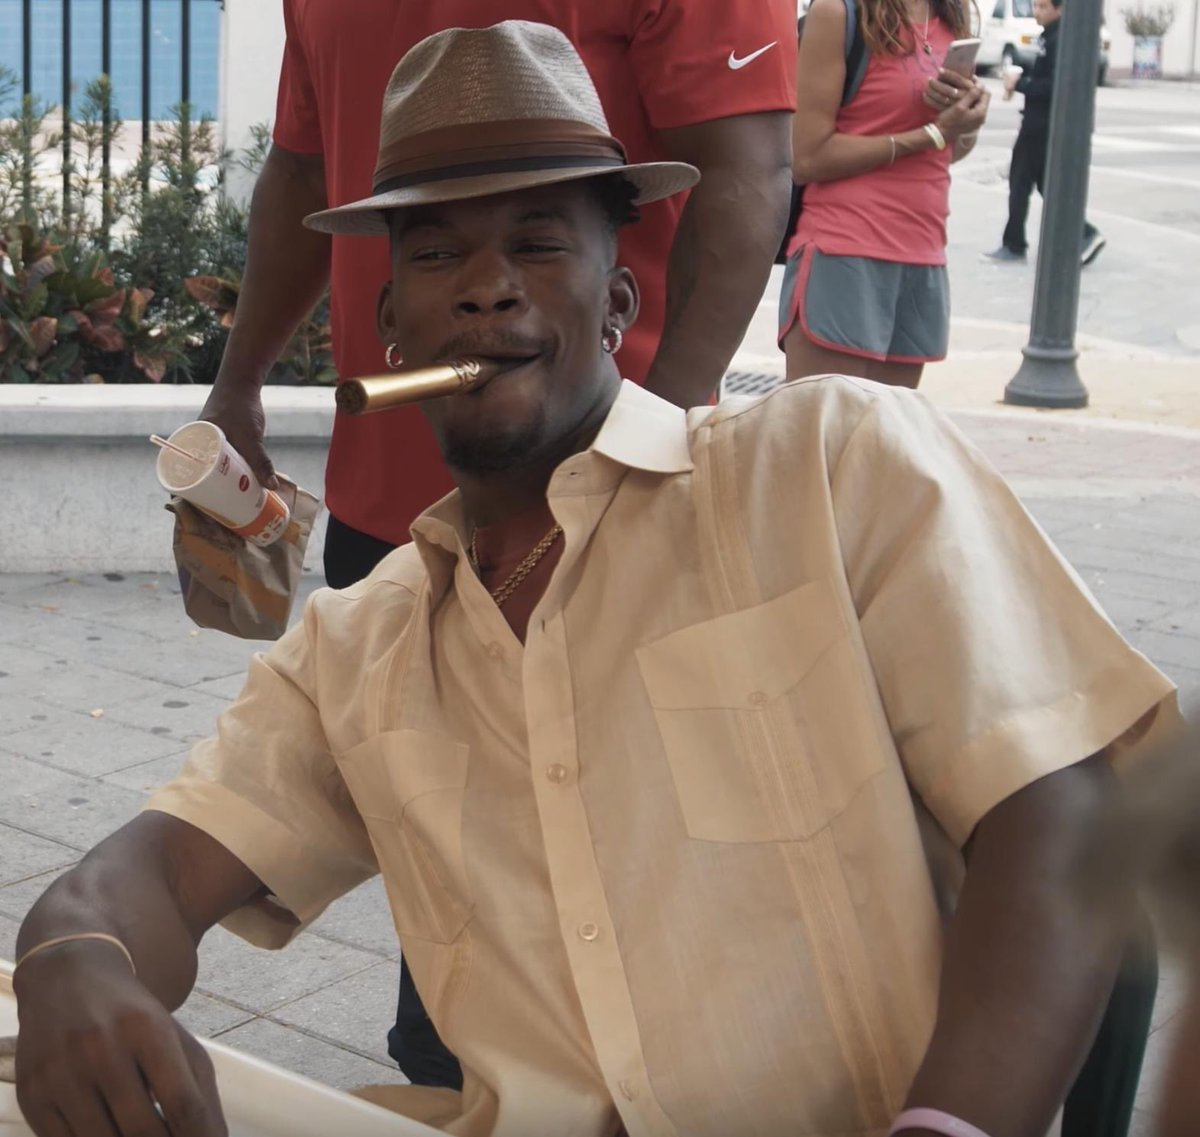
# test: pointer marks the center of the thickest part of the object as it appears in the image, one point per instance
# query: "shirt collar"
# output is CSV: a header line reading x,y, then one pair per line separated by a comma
x,y
645,432
641,432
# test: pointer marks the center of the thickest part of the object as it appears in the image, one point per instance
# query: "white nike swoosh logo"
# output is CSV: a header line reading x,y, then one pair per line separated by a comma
x,y
736,64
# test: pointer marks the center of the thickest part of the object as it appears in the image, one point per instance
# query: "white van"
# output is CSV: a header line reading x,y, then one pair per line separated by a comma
x,y
1009,33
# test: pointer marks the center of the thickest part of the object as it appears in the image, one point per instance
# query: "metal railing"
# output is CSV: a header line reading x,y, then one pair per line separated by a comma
x,y
106,44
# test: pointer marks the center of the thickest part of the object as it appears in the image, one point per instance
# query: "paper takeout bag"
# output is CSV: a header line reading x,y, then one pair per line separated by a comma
x,y
232,585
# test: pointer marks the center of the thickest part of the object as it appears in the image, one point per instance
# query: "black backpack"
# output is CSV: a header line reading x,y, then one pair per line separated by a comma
x,y
856,68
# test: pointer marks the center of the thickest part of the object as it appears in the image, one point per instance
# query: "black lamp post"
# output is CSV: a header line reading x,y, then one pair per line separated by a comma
x,y
1048,376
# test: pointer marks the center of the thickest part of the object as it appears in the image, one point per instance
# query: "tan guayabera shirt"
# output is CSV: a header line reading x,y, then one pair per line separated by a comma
x,y
663,861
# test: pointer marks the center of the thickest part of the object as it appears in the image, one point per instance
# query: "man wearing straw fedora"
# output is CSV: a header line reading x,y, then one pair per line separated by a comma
x,y
664,732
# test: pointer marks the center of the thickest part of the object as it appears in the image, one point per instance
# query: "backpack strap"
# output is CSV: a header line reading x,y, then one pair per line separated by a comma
x,y
856,53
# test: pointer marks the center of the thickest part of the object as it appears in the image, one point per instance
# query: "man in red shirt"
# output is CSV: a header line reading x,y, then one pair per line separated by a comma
x,y
707,82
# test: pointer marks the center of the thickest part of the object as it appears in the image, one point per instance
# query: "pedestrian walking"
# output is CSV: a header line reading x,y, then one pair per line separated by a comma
x,y
865,290
1027,170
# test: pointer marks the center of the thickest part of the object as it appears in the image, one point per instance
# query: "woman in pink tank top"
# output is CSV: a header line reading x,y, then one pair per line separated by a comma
x,y
866,291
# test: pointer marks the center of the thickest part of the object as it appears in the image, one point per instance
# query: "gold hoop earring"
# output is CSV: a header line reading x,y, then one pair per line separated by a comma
x,y
611,340
392,357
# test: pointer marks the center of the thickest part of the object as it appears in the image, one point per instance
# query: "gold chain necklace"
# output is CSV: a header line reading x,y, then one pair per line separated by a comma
x,y
501,594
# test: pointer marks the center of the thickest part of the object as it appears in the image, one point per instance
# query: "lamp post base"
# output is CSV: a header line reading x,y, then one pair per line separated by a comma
x,y
1047,377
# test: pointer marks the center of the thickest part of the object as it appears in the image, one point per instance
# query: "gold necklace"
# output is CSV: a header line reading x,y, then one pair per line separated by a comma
x,y
501,594
926,46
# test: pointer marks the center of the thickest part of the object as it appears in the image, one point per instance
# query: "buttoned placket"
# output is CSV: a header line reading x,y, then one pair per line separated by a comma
x,y
585,921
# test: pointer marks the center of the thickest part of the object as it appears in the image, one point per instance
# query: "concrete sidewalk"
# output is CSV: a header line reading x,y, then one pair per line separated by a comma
x,y
104,684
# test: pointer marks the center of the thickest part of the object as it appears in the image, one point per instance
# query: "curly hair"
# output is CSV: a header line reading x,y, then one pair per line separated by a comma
x,y
887,29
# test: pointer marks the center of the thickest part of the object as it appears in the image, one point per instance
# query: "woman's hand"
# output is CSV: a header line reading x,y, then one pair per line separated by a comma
x,y
946,90
966,115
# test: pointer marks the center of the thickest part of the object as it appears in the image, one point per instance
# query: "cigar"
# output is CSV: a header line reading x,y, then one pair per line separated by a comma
x,y
380,392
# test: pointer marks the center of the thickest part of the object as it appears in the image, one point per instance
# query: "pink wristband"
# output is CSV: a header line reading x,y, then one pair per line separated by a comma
x,y
935,1121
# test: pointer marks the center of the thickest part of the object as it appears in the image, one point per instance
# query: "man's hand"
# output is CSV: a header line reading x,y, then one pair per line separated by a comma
x,y
97,1051
237,409
98,1047
287,268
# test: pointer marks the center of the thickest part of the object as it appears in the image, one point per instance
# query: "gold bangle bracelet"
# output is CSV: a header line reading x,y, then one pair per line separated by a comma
x,y
103,937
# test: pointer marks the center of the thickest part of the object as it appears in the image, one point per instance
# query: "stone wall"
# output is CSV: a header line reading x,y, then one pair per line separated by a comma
x,y
77,469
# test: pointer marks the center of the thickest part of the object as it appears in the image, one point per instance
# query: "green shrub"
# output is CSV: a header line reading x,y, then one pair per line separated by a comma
x,y
115,286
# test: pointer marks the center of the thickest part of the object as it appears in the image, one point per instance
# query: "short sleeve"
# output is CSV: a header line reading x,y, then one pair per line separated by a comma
x,y
267,788
297,113
994,664
699,60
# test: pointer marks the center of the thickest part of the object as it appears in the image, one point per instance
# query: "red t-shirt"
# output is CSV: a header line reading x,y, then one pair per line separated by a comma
x,y
657,64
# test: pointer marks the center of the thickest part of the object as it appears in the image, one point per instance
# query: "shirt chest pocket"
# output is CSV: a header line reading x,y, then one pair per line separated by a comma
x,y
408,786
762,719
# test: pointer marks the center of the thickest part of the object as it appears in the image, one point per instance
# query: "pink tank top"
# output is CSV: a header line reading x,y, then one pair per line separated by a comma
x,y
897,212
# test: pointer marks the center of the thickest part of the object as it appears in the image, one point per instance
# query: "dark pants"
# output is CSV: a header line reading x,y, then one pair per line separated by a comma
x,y
1100,1103
413,1042
1026,173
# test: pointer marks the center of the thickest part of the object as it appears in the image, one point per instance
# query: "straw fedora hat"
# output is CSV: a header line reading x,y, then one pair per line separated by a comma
x,y
474,112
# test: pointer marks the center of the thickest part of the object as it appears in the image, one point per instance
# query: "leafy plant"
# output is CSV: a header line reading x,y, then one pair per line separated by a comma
x,y
24,142
64,319
308,357
1149,22
129,296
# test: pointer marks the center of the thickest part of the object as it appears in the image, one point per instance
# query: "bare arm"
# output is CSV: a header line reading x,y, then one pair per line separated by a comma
x,y
287,269
157,885
1030,961
819,152
723,251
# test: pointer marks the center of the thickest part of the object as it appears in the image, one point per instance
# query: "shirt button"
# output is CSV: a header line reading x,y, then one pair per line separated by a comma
x,y
589,932
758,698
628,1091
557,774
494,650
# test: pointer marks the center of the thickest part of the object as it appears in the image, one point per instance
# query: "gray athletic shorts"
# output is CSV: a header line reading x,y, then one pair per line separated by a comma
x,y
875,309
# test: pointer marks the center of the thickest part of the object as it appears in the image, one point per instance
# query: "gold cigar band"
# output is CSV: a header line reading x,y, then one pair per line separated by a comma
x,y
380,392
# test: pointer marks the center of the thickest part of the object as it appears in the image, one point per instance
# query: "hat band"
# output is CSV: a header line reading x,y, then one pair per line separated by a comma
x,y
426,155
499,166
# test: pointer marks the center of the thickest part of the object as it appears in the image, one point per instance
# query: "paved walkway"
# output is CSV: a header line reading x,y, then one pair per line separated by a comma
x,y
104,684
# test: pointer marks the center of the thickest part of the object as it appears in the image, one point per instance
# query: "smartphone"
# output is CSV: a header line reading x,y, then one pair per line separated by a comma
x,y
960,57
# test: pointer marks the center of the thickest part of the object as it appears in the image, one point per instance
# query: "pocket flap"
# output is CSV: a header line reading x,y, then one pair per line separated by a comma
x,y
744,659
391,770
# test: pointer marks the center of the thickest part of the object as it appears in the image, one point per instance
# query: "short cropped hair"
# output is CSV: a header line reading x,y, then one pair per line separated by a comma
x,y
617,197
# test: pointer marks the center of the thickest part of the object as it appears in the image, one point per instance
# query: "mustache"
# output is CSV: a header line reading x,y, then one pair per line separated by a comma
x,y
498,342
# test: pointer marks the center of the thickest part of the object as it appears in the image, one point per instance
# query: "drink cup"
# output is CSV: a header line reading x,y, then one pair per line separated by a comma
x,y
220,483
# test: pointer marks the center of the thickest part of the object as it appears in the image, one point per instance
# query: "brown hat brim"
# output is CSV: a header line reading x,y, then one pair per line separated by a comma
x,y
654,181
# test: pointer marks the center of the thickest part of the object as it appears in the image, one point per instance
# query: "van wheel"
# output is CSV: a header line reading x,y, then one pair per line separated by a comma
x,y
1008,57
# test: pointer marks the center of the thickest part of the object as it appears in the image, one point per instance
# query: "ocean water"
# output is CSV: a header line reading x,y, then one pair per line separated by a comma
x,y
165,51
